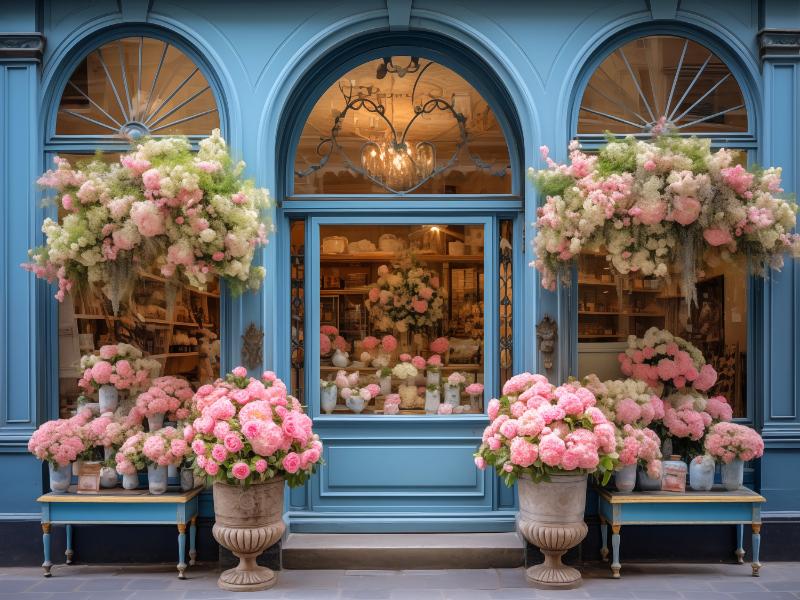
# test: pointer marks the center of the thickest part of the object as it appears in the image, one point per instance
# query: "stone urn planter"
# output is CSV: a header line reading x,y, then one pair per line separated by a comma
x,y
248,520
551,518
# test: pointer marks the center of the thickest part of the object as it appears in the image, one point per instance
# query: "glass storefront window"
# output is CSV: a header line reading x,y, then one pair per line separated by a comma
x,y
401,319
402,124
610,308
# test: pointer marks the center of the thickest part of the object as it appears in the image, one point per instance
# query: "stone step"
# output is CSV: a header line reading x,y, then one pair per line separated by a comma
x,y
402,551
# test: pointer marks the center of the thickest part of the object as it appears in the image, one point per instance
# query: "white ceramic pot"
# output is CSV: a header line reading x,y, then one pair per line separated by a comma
x,y
355,403
432,401
60,477
452,394
625,478
551,518
109,398
433,377
156,479
386,385
733,475
187,480
327,398
108,478
155,422
340,359
701,473
130,481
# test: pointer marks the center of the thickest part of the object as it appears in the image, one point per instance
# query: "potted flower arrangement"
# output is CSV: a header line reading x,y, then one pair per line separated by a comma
x,y
733,445
391,404
433,400
441,346
651,204
116,367
60,442
475,393
333,346
167,396
249,437
192,214
161,449
130,460
407,373
433,371
547,439
329,392
384,375
356,399
452,388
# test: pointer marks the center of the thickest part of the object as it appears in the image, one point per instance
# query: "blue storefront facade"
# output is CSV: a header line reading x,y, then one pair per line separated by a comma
x,y
265,66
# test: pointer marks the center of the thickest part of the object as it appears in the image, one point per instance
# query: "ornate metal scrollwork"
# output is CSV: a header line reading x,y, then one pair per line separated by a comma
x,y
252,346
546,337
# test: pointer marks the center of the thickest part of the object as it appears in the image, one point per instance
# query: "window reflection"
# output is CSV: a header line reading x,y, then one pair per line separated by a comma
x,y
401,319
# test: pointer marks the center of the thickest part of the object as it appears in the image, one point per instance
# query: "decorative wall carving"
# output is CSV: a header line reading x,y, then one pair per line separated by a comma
x,y
252,346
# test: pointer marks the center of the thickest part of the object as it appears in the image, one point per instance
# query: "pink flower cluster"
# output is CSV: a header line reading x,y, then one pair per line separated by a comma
x,y
538,429
165,447
729,441
474,389
440,345
130,457
167,395
121,375
330,340
251,430
640,445
60,441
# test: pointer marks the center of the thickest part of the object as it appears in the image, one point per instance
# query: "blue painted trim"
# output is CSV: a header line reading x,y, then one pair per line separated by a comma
x,y
343,522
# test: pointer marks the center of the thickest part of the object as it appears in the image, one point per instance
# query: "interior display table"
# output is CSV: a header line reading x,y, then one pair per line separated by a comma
x,y
715,507
121,507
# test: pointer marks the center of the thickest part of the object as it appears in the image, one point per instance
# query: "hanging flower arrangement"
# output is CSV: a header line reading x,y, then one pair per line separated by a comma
x,y
655,205
406,297
190,214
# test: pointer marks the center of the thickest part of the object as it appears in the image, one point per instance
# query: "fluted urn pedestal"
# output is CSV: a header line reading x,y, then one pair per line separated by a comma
x,y
551,518
248,521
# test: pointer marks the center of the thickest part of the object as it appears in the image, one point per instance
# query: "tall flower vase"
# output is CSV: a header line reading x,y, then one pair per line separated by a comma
x,y
109,398
130,481
157,479
327,398
433,377
432,401
247,522
625,478
452,394
60,477
155,422
551,518
733,475
386,385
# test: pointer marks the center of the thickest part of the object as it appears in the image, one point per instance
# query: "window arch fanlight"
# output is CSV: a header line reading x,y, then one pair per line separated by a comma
x,y
402,125
134,86
662,83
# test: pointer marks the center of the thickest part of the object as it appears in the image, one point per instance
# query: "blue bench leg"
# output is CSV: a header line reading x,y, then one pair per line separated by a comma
x,y
604,536
615,566
756,548
181,550
68,552
192,541
47,564
740,544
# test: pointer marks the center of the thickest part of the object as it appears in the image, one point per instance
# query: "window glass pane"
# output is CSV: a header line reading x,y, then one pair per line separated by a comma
x,y
402,124
611,308
183,337
506,299
662,81
137,86
297,303
392,290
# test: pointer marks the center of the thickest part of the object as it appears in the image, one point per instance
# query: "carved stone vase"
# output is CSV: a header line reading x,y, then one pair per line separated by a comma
x,y
248,520
551,518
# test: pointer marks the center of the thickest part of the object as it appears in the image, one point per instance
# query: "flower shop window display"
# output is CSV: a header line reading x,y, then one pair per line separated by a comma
x,y
116,367
168,397
249,437
548,439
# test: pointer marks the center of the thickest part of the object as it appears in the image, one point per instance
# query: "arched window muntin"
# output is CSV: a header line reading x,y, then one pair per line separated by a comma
x,y
744,140
113,142
343,59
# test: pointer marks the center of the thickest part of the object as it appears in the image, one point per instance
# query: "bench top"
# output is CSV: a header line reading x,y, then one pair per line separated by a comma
x,y
122,496
717,495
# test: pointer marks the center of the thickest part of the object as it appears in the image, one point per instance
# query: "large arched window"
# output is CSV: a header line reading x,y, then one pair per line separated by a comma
x,y
118,92
402,124
664,84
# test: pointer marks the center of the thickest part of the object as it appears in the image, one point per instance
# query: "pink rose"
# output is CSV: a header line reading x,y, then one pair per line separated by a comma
x,y
239,372
480,462
717,236
261,465
211,467
240,470
219,453
291,462
233,443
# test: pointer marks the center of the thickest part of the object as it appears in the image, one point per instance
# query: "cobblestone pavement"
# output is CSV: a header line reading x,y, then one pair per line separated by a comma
x,y
778,581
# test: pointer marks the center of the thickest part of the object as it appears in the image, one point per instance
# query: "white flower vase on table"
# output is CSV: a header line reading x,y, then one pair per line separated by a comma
x,y
733,475
130,481
432,400
108,478
60,477
701,473
155,421
452,394
355,403
109,398
385,383
327,398
156,479
340,359
625,478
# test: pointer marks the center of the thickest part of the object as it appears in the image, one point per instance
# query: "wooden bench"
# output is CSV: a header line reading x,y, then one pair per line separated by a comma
x,y
121,507
715,507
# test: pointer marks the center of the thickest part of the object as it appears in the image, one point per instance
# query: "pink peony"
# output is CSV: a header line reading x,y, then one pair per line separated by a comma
x,y
685,209
291,462
240,470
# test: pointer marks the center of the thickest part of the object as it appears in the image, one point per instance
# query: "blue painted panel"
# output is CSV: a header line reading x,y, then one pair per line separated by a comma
x,y
19,499
119,512
721,512
381,470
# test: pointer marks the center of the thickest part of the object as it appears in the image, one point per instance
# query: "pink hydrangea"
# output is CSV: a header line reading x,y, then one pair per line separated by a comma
x,y
523,453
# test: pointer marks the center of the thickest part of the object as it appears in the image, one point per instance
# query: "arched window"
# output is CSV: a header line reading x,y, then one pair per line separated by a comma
x,y
127,88
399,125
662,82
136,86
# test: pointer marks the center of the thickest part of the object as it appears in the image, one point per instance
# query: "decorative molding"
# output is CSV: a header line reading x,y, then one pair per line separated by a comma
x,y
135,10
546,337
779,43
399,14
252,347
21,45
663,9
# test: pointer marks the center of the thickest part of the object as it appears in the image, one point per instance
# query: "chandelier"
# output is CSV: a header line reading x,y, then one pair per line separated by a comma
x,y
388,156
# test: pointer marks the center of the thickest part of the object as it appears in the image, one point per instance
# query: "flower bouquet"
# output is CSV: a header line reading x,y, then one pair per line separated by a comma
x,y
167,396
356,399
651,204
330,340
60,442
732,445
130,460
192,214
687,417
406,297
116,367
161,449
